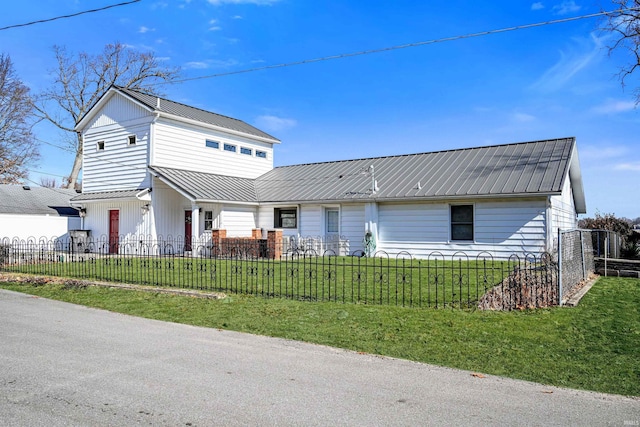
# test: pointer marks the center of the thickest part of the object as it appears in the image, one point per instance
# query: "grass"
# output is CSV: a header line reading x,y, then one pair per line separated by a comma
x,y
405,282
593,346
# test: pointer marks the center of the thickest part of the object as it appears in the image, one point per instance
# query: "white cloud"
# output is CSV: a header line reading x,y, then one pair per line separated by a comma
x,y
256,2
523,117
273,123
537,6
631,166
613,106
144,29
570,64
210,63
566,7
198,65
237,17
603,152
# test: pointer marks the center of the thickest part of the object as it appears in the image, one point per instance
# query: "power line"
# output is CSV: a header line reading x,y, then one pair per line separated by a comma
x,y
404,46
69,16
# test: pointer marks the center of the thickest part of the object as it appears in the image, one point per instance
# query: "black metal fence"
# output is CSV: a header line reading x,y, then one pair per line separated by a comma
x,y
277,269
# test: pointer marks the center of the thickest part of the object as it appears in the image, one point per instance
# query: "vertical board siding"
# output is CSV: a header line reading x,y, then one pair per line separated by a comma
x,y
181,146
132,221
118,110
500,227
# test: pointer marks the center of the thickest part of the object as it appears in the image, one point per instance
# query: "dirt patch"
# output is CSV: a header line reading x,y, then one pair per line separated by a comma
x,y
71,283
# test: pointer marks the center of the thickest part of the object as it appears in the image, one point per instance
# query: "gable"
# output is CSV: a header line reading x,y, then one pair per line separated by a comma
x,y
117,109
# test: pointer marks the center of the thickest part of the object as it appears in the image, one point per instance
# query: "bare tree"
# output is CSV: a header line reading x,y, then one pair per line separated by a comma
x,y
624,24
48,182
18,148
80,80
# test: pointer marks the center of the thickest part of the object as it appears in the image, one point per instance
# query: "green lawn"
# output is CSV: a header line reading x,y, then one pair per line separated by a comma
x,y
593,346
388,281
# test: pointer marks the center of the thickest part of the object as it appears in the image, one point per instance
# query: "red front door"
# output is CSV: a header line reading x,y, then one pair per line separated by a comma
x,y
114,231
187,230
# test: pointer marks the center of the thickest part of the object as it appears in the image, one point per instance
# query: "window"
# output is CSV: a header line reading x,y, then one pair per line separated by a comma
x,y
132,140
247,151
285,218
333,220
212,144
208,220
230,147
100,145
462,222
261,154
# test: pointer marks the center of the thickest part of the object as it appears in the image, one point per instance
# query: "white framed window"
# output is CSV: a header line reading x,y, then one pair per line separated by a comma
x,y
212,144
332,221
131,139
208,220
100,146
247,151
230,147
462,223
261,154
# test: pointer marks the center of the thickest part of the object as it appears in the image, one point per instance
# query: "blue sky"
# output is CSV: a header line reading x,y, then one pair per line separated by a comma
x,y
545,82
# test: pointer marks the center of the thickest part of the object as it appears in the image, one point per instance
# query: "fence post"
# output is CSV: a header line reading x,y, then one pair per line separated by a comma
x,y
606,247
584,267
559,267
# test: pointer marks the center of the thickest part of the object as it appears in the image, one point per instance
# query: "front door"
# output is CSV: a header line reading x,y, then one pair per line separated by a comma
x,y
187,230
114,231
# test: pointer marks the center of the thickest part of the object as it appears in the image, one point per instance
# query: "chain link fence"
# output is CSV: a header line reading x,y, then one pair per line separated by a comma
x,y
575,259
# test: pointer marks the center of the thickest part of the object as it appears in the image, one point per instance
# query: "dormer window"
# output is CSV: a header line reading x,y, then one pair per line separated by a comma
x,y
212,144
132,139
261,154
100,146
230,147
246,151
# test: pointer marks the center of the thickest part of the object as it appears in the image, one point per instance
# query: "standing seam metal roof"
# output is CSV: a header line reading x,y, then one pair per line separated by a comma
x,y
538,167
521,169
188,112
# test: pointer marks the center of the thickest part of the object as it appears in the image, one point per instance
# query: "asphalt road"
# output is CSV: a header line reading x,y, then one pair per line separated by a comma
x,y
67,365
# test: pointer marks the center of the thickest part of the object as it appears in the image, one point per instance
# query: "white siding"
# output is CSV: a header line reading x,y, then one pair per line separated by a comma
x,y
36,226
352,226
177,145
120,165
563,209
239,221
133,223
500,227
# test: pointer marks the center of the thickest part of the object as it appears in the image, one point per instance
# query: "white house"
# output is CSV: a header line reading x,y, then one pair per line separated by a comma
x,y
160,169
28,212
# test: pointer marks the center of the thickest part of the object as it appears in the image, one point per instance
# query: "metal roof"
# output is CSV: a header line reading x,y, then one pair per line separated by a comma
x,y
162,105
27,200
530,168
206,187
521,169
107,195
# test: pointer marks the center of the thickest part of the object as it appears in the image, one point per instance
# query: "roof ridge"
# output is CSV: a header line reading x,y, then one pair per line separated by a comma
x,y
572,138
179,103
